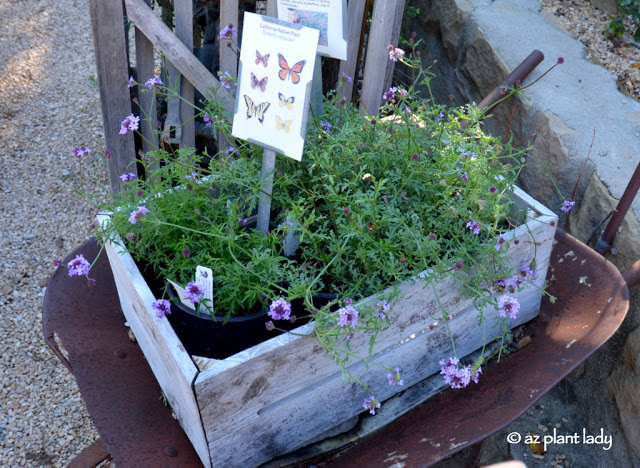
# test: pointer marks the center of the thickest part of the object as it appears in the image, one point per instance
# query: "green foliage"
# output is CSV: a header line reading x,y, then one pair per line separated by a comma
x,y
626,9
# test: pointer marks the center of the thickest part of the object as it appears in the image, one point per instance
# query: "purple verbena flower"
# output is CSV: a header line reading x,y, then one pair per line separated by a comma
x,y
464,177
129,123
382,307
475,374
508,305
91,282
132,82
347,77
269,325
186,251
453,376
79,266
225,80
473,226
395,53
137,214
155,81
280,309
500,242
567,205
371,404
326,126
394,377
228,32
161,307
194,291
404,93
128,176
560,60
56,262
82,151
390,94
231,150
207,120
348,316
493,189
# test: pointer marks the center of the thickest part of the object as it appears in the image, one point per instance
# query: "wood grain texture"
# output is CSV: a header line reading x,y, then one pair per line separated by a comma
x,y
148,111
396,24
355,14
178,54
166,355
377,58
183,20
107,22
228,58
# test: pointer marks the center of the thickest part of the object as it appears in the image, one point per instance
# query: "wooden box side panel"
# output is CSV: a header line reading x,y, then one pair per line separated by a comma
x,y
170,363
297,419
415,310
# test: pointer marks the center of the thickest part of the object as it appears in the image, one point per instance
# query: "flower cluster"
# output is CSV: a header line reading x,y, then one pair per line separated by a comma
x,y
129,123
161,307
456,376
395,53
194,292
370,403
567,205
81,151
138,214
228,32
79,266
280,309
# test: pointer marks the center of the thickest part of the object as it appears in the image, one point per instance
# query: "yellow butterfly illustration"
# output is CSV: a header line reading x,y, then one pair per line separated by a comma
x,y
257,110
286,101
280,124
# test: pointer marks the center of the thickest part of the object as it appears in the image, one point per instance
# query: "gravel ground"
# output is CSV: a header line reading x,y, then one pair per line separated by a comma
x,y
49,105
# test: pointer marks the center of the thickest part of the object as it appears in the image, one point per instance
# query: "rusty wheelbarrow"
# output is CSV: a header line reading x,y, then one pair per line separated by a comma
x,y
123,398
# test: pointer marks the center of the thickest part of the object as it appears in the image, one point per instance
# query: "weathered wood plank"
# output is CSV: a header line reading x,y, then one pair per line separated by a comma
x,y
334,401
148,111
228,57
377,59
183,19
166,355
176,52
113,75
395,35
251,391
355,13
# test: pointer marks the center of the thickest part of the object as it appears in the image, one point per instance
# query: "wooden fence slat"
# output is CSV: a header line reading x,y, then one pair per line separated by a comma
x,y
355,13
228,58
177,53
377,60
145,66
183,19
113,74
395,35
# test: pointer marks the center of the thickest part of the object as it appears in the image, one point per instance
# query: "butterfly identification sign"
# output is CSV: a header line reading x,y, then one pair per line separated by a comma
x,y
274,84
327,16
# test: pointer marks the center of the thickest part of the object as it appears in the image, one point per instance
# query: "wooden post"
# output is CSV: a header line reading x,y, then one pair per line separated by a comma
x,y
381,34
107,22
268,167
145,70
228,57
355,13
183,19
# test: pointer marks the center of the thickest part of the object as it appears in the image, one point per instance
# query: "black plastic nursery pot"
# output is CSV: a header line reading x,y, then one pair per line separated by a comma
x,y
206,336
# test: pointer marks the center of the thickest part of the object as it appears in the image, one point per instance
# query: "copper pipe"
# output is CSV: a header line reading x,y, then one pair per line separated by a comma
x,y
517,76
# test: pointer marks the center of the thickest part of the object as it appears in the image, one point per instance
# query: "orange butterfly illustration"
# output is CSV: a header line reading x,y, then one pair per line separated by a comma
x,y
294,71
255,82
262,58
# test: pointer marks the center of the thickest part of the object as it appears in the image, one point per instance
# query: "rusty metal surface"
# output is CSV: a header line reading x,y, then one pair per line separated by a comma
x,y
116,383
592,301
91,457
516,76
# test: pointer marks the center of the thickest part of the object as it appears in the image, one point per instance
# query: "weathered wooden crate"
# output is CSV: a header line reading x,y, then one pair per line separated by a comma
x,y
284,393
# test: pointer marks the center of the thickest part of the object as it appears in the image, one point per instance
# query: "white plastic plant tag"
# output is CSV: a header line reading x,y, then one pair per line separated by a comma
x,y
204,277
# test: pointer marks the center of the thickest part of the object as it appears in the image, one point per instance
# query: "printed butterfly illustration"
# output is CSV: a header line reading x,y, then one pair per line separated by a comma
x,y
262,58
286,101
280,124
293,71
262,83
256,109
